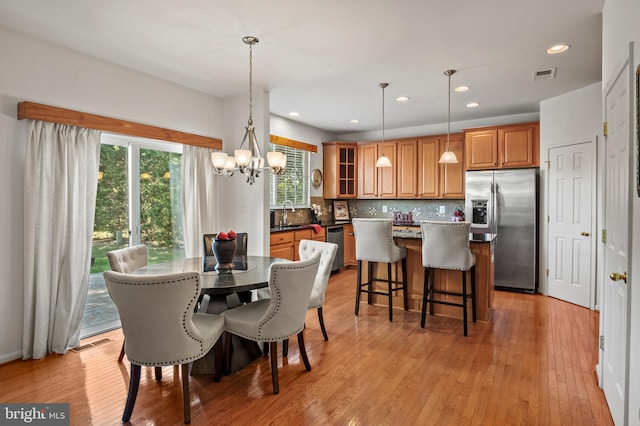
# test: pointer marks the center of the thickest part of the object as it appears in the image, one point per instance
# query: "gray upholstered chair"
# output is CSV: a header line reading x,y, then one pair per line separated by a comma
x,y
445,245
127,260
169,336
241,244
279,317
374,244
306,250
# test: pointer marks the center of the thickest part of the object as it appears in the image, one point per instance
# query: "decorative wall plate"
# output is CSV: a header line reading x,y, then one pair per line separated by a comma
x,y
316,177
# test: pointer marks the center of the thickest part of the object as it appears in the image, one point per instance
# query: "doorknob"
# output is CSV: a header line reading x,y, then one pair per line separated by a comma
x,y
617,277
585,234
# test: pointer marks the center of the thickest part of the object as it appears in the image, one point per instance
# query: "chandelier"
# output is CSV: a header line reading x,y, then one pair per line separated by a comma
x,y
248,159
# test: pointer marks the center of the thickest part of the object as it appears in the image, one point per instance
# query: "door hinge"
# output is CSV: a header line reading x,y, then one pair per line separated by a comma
x,y
547,271
548,164
602,342
604,236
604,128
548,219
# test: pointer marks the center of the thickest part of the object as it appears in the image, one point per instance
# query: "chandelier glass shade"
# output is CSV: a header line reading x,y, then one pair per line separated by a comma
x,y
247,159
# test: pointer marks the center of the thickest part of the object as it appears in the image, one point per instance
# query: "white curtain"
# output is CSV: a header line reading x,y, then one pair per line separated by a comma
x,y
61,170
198,197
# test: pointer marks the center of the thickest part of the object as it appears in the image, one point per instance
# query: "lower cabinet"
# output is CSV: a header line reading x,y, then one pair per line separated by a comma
x,y
349,246
285,244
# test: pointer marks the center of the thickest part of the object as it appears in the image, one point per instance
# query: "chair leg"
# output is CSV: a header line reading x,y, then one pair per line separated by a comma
x,y
425,294
265,348
390,287
432,288
285,347
321,321
473,292
227,355
464,300
158,371
358,285
121,353
370,282
274,367
217,360
404,284
134,381
186,402
303,351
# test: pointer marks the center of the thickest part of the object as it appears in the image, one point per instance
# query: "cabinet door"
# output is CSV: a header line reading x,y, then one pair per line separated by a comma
x,y
407,173
481,149
349,246
387,175
428,170
452,175
516,146
283,251
367,173
346,171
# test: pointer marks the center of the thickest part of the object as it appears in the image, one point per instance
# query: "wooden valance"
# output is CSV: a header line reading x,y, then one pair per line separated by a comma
x,y
35,111
279,140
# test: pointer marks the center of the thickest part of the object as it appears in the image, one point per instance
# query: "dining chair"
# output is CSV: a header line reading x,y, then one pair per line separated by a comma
x,y
171,335
445,245
278,317
127,260
306,250
374,244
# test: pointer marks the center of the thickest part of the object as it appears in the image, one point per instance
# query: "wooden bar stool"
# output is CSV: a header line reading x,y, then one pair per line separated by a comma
x,y
445,245
374,244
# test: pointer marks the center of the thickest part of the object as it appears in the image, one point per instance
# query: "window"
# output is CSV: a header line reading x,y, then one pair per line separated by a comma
x,y
294,183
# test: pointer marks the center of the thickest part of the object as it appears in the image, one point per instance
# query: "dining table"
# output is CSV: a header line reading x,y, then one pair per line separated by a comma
x,y
220,291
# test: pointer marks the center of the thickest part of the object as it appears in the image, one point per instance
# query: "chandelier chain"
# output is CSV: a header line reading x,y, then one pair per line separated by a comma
x,y
251,83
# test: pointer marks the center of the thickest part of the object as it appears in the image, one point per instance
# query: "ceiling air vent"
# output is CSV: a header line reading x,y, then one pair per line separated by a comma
x,y
544,74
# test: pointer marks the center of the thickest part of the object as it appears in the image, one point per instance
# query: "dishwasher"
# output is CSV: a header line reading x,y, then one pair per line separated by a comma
x,y
335,234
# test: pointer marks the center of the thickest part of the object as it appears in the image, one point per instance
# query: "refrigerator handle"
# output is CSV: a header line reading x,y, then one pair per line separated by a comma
x,y
494,208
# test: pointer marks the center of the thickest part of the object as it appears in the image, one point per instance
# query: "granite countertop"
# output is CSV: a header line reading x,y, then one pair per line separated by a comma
x,y
473,237
324,224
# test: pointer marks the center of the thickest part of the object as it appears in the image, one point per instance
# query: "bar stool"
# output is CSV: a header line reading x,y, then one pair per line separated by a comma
x,y
445,245
374,244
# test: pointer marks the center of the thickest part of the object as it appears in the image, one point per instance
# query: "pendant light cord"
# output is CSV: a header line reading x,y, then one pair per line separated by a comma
x,y
449,113
250,83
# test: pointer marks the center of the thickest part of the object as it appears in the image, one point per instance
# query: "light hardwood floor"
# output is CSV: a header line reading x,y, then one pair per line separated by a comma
x,y
534,363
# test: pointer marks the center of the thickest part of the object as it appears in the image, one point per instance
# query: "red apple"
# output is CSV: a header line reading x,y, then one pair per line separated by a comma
x,y
222,236
232,235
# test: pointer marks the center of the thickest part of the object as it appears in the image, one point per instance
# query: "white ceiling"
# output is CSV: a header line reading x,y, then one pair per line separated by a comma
x,y
325,58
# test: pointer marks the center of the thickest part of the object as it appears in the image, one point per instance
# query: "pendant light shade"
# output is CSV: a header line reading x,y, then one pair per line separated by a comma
x,y
448,157
383,160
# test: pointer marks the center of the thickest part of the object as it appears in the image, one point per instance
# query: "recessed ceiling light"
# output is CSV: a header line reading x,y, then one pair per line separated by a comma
x,y
472,104
558,48
402,98
354,121
294,114
461,89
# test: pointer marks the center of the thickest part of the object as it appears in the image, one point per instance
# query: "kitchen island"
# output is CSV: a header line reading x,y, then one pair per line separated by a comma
x,y
482,245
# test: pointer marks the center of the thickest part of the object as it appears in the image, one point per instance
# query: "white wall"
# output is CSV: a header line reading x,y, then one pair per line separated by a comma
x,y
570,118
41,72
619,27
293,130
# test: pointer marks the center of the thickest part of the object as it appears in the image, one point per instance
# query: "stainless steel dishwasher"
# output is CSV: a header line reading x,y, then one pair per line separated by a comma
x,y
335,234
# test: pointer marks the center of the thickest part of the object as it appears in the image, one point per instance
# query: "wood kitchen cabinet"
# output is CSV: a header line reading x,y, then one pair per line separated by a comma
x,y
286,244
437,180
497,147
339,164
376,182
407,170
349,246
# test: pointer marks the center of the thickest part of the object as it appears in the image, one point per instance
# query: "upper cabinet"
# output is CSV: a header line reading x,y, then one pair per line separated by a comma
x,y
509,146
452,175
339,165
376,182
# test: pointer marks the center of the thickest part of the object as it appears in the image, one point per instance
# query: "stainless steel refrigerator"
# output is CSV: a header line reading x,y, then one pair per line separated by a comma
x,y
505,202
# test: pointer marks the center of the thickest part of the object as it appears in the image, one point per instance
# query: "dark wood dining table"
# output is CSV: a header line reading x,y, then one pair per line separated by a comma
x,y
225,291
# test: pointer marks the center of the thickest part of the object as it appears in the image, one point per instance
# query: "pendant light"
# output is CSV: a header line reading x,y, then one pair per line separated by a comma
x,y
448,157
248,160
383,160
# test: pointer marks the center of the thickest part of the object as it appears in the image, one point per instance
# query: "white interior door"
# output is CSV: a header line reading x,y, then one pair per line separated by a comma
x,y
571,223
616,201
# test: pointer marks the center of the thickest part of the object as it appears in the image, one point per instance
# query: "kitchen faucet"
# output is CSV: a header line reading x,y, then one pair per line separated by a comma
x,y
284,211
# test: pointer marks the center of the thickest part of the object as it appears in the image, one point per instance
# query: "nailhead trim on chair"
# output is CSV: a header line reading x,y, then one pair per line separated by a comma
x,y
194,299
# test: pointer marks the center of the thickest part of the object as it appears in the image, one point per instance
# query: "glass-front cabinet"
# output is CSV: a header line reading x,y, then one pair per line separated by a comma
x,y
340,170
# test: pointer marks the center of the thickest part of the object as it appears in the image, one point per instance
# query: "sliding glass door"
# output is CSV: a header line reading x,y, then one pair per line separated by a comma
x,y
139,201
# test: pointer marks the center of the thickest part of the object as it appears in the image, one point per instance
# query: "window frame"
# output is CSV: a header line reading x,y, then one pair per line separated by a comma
x,y
305,177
